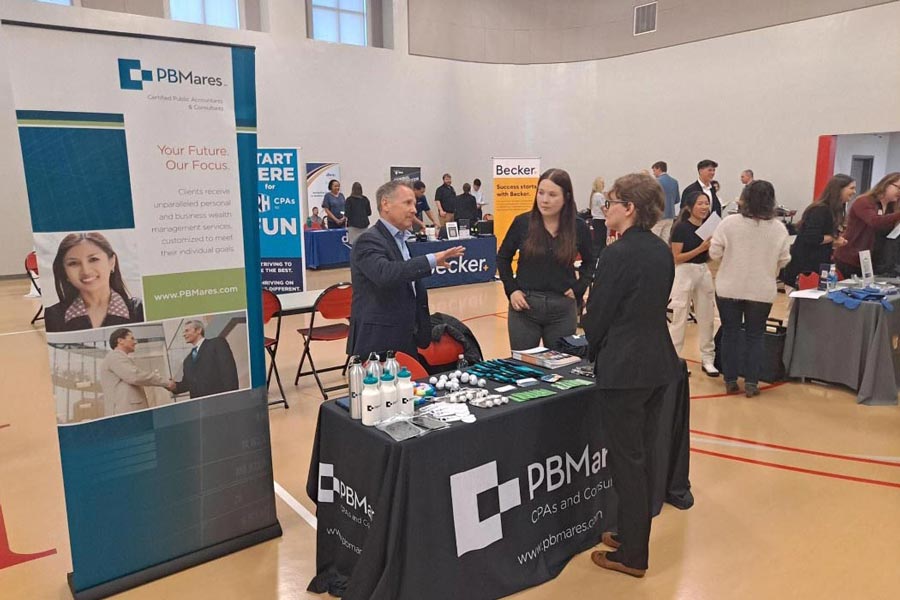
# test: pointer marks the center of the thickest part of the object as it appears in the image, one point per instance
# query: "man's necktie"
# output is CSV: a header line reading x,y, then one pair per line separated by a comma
x,y
194,353
404,251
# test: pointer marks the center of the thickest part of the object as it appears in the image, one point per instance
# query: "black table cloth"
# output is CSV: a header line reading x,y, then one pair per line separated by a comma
x,y
477,510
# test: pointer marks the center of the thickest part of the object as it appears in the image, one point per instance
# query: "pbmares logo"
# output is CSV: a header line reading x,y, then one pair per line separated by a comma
x,y
476,491
329,485
132,76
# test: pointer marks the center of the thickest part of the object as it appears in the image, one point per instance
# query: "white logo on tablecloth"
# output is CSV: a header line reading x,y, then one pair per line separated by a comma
x,y
472,532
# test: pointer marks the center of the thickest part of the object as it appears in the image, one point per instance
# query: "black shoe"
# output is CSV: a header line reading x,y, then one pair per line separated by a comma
x,y
731,387
751,389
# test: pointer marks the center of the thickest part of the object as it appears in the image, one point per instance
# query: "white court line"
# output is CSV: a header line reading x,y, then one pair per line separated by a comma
x,y
296,506
20,332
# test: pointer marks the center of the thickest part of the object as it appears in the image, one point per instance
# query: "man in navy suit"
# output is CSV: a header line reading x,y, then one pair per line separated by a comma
x,y
209,367
390,302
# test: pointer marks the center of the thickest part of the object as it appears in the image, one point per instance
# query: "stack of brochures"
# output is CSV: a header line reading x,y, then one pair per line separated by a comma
x,y
542,357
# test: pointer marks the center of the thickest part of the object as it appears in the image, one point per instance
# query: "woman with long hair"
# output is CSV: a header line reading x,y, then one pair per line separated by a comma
x,y
693,280
818,231
90,287
598,218
872,214
753,246
634,361
358,211
542,293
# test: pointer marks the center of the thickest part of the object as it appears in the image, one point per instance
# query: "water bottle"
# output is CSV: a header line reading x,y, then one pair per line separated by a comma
x,y
832,279
461,363
371,402
390,364
355,375
373,366
405,392
390,402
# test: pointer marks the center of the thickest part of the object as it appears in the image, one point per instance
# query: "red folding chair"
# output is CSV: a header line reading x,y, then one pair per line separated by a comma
x,y
31,267
808,281
442,353
334,304
412,365
271,306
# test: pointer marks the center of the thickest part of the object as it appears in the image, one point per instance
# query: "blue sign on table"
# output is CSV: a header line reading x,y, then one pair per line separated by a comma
x,y
478,265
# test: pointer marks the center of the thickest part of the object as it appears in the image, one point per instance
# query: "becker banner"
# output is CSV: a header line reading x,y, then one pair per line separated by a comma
x,y
515,183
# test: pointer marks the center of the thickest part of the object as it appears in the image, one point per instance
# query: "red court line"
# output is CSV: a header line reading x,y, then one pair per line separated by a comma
x,y
723,394
4,425
797,469
502,315
871,461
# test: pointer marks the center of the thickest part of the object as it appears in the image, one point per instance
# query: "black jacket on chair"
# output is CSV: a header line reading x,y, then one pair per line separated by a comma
x,y
625,324
213,372
694,189
385,314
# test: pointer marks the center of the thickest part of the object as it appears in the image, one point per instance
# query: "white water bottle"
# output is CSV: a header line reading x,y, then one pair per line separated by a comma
x,y
371,402
405,392
390,402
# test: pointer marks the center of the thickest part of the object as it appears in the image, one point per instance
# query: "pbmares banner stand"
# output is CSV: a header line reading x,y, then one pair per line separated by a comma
x,y
140,166
411,173
515,183
280,221
317,177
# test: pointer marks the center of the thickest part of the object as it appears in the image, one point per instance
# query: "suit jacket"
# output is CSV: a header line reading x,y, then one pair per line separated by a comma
x,y
694,189
213,372
122,381
626,328
385,314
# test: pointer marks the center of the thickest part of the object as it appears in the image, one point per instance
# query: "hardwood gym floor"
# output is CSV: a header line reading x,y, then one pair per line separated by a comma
x,y
797,491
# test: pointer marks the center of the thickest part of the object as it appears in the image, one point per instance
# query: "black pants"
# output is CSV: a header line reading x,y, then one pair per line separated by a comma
x,y
550,317
630,421
752,315
599,236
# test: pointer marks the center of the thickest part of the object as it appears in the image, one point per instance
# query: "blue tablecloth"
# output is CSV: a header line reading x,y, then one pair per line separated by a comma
x,y
326,248
478,265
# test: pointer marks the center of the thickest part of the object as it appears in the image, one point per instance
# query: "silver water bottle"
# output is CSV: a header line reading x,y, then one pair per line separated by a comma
x,y
373,366
391,365
355,375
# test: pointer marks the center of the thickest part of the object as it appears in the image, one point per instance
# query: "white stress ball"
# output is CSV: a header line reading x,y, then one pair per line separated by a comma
x,y
482,383
455,385
440,384
489,403
444,376
464,378
457,373
432,380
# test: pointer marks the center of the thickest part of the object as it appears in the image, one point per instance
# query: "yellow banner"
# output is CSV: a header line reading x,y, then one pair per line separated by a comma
x,y
515,185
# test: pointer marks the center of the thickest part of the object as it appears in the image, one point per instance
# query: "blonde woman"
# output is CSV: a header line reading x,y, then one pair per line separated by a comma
x,y
598,218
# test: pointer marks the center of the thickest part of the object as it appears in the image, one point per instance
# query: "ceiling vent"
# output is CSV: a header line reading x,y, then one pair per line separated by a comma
x,y
645,18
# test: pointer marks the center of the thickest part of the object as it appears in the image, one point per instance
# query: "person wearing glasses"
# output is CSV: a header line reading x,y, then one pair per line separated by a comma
x,y
873,214
543,290
634,360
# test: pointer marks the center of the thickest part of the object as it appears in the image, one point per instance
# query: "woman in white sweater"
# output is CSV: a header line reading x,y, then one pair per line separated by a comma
x,y
753,246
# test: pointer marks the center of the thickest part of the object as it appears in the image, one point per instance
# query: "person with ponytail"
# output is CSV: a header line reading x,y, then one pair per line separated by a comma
x,y
693,281
543,290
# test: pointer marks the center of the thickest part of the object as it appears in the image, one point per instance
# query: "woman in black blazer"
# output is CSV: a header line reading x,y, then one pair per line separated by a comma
x,y
819,229
634,360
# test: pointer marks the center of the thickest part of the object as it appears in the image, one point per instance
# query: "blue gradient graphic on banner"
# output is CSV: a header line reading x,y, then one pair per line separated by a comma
x,y
77,177
244,73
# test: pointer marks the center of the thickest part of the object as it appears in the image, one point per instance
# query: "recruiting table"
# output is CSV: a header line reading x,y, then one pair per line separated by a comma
x,y
326,248
478,265
855,348
477,510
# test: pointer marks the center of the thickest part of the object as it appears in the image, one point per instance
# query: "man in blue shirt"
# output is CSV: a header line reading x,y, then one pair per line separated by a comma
x,y
669,184
422,207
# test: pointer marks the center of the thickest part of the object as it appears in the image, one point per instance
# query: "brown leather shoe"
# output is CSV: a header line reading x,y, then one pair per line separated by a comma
x,y
608,539
599,558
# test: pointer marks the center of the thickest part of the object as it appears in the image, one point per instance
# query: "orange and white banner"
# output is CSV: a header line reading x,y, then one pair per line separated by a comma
x,y
515,185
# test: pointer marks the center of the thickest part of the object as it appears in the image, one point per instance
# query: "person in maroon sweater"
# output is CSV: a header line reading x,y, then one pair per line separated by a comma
x,y
872,214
